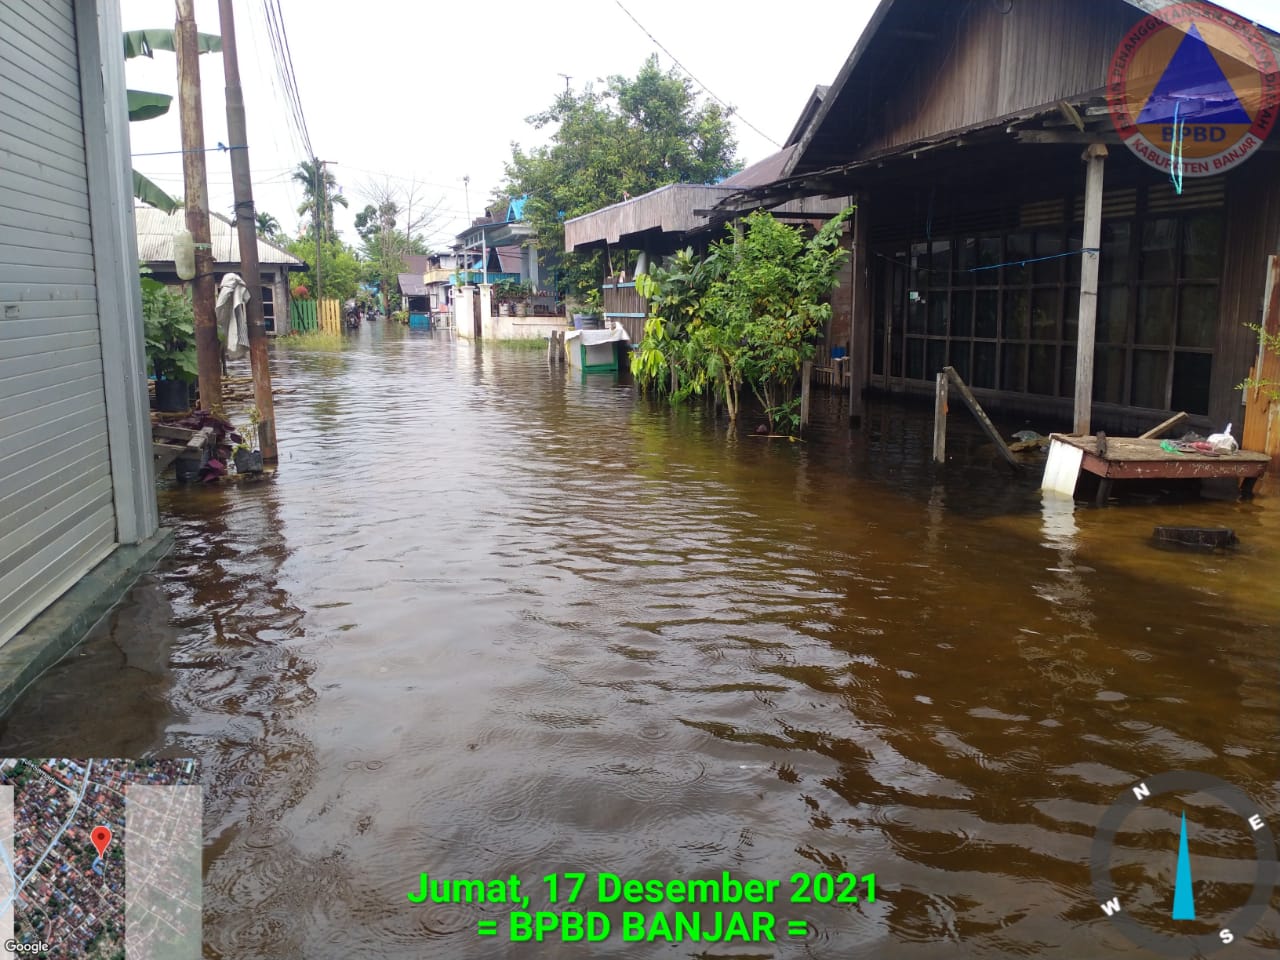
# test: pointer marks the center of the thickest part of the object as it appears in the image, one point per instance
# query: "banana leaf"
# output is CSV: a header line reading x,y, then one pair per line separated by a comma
x,y
144,105
143,43
150,194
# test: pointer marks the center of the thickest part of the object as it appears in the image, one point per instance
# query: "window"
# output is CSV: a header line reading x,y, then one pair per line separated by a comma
x,y
268,308
1003,308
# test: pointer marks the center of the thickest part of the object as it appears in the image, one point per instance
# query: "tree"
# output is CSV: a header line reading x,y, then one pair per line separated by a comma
x,y
268,226
389,228
144,105
746,315
636,135
340,270
308,175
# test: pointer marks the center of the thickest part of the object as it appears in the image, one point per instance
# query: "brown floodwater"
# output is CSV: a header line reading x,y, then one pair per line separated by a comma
x,y
490,618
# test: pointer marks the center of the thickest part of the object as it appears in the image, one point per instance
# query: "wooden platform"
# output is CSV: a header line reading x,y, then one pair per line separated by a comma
x,y
1130,458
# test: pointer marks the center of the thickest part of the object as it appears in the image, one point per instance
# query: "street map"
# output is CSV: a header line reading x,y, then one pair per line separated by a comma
x,y
100,858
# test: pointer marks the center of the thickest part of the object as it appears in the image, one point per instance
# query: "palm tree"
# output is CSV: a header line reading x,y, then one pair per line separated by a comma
x,y
308,175
268,226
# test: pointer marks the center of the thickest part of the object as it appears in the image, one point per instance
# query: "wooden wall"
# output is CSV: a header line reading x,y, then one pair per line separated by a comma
x,y
1253,234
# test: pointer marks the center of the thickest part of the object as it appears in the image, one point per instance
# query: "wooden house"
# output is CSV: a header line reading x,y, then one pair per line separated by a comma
x,y
964,130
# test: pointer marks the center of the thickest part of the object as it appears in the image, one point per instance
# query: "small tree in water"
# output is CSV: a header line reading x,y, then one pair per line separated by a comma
x,y
746,315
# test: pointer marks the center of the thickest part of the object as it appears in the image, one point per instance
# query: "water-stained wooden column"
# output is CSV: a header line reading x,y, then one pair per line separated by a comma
x,y
1095,157
1262,413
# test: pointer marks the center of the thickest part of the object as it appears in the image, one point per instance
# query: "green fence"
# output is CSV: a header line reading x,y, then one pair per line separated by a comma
x,y
302,315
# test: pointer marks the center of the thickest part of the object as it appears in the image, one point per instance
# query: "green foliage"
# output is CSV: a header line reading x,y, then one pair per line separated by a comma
x,y
313,340
1269,342
143,43
340,271
267,226
314,186
169,328
634,136
746,315
145,106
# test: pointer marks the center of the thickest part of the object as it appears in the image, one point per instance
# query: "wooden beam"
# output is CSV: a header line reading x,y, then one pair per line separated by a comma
x,y
940,420
1066,137
1261,430
983,420
1095,157
1169,424
1072,114
860,328
806,384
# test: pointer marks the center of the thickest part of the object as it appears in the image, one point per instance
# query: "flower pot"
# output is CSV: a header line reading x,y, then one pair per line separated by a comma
x,y
504,309
172,396
248,461
522,309
587,321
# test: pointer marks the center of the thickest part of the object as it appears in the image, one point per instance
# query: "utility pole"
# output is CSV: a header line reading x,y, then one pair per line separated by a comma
x,y
567,78
246,225
317,216
191,119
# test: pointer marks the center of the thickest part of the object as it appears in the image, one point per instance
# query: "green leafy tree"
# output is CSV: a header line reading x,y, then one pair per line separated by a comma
x,y
168,324
633,136
744,317
268,227
144,105
340,270
317,181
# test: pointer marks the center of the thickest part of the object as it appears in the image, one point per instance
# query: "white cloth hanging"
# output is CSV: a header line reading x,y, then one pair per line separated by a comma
x,y
233,316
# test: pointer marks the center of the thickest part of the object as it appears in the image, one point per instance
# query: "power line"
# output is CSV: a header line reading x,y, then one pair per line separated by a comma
x,y
284,66
732,110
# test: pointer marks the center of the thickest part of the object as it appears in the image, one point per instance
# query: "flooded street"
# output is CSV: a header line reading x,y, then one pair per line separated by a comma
x,y
490,619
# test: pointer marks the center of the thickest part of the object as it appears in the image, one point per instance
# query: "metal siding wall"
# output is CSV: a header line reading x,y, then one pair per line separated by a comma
x,y
56,515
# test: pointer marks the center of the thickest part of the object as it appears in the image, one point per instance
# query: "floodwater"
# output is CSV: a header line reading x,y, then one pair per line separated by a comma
x,y
492,619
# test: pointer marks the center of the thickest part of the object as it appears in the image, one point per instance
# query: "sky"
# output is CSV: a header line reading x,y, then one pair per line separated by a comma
x,y
412,94
397,91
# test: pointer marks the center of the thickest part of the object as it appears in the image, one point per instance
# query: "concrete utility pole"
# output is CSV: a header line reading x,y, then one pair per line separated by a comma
x,y
247,227
191,118
317,218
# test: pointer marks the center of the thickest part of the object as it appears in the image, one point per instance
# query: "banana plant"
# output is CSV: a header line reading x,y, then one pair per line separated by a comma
x,y
144,105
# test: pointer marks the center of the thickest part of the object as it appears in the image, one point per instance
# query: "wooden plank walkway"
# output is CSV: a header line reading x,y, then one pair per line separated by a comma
x,y
1133,458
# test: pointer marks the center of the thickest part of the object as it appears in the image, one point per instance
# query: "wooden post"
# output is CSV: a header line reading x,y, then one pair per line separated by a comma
x,y
1261,430
940,420
1095,157
247,227
806,380
191,122
1167,425
860,315
983,420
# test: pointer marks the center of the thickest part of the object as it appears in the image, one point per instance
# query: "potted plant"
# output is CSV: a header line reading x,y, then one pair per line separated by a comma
x,y
246,454
169,326
524,293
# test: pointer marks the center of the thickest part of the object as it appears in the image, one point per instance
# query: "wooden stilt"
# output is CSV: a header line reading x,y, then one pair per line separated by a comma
x,y
1095,157
806,378
940,420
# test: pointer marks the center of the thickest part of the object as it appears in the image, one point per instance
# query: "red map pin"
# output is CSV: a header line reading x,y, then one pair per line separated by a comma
x,y
101,837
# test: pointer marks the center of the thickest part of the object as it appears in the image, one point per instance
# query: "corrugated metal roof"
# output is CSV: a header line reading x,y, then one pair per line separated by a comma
x,y
411,285
762,171
155,240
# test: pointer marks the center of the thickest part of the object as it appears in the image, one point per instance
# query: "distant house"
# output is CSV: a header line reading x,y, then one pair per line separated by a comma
x,y
425,287
77,493
679,215
499,246
156,228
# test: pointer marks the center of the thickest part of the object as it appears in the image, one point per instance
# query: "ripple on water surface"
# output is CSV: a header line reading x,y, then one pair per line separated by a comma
x,y
493,618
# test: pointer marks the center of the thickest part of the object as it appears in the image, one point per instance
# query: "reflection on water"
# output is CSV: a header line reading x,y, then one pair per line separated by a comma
x,y
493,618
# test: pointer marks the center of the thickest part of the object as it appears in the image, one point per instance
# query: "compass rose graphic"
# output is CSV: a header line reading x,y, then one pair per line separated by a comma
x,y
1239,826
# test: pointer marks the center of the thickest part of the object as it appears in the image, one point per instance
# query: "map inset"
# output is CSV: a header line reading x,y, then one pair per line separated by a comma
x,y
100,858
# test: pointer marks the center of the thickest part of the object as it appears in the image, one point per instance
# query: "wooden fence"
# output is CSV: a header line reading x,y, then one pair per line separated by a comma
x,y
306,316
623,304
